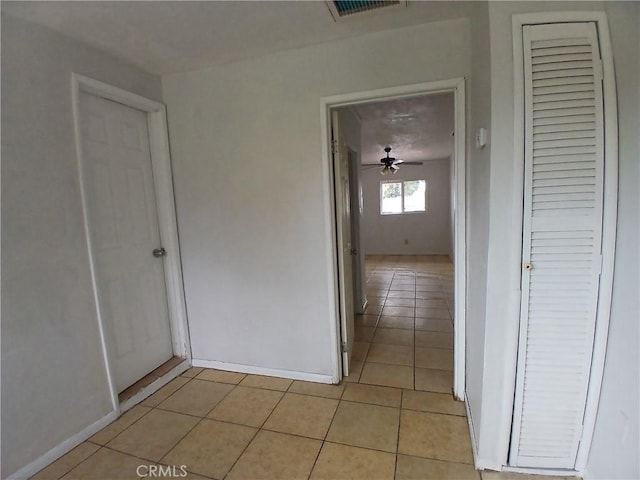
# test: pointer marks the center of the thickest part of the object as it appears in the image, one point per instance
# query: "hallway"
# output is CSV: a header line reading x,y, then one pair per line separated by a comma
x,y
405,337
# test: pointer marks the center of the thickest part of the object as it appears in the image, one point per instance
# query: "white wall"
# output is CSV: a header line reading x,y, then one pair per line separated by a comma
x,y
427,232
618,412
53,378
251,187
615,447
478,176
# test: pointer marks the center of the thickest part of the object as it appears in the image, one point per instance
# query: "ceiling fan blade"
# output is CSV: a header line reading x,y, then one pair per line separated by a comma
x,y
398,162
414,163
370,165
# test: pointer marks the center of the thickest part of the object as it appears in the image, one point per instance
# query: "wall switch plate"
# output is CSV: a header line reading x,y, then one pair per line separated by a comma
x,y
481,138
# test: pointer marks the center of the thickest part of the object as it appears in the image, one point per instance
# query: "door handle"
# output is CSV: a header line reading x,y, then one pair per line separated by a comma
x,y
527,266
159,252
354,251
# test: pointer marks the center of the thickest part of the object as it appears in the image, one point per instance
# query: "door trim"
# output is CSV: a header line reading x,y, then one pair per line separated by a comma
x,y
457,87
359,297
163,183
609,212
341,175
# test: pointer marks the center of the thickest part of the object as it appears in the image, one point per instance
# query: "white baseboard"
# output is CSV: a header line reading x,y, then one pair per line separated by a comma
x,y
269,372
472,430
482,464
69,444
542,471
479,462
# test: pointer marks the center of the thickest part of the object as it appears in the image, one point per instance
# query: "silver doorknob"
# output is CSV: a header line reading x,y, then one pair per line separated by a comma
x,y
159,252
527,266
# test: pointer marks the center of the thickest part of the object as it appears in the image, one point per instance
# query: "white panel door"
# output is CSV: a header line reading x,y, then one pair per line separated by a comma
x,y
123,224
343,227
564,171
357,254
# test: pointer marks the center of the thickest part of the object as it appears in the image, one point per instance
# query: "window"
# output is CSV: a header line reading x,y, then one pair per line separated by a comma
x,y
403,197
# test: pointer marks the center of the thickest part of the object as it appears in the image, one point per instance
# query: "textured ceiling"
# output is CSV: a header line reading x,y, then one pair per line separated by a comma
x,y
173,36
417,128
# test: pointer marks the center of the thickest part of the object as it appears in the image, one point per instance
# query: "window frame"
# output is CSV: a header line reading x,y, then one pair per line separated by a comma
x,y
402,182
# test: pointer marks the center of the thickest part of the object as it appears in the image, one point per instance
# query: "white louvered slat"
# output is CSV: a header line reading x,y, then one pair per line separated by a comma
x,y
560,50
567,57
565,105
541,160
564,73
562,121
561,239
566,127
579,130
554,97
561,62
577,80
547,115
563,88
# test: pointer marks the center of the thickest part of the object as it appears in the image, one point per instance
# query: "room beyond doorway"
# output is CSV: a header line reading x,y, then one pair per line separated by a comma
x,y
405,337
458,210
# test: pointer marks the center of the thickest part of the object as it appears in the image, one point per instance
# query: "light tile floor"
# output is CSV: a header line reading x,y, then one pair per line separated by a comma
x,y
404,339
210,424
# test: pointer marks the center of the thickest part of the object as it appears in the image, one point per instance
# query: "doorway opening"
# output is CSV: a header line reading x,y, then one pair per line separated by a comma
x,y
412,271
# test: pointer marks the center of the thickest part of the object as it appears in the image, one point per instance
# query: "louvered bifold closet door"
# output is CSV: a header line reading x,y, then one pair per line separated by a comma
x,y
562,227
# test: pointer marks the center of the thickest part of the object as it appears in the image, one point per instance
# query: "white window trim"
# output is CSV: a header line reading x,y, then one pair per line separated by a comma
x,y
402,182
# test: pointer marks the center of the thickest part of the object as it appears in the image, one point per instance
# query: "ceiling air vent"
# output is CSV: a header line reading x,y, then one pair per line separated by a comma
x,y
345,8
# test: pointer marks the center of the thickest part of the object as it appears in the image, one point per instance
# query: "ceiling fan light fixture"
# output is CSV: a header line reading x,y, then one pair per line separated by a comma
x,y
389,162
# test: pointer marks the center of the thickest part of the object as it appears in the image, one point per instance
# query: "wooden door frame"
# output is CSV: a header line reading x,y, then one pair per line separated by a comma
x,y
163,184
609,214
457,87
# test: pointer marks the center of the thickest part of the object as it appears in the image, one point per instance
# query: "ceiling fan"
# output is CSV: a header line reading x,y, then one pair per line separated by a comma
x,y
391,164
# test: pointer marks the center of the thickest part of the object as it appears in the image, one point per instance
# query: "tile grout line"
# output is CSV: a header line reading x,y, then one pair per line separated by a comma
x,y
151,408
260,428
340,399
100,447
324,438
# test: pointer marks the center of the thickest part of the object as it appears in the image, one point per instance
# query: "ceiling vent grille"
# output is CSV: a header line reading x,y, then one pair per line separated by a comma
x,y
344,8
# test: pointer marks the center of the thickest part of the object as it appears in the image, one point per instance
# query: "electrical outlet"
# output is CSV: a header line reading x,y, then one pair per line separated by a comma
x,y
406,241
